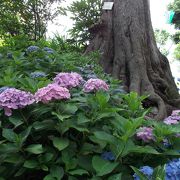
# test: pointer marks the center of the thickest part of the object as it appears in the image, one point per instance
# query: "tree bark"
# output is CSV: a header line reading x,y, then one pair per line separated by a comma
x,y
125,39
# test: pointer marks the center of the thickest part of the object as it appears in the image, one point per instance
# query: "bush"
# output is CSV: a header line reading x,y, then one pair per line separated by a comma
x,y
102,134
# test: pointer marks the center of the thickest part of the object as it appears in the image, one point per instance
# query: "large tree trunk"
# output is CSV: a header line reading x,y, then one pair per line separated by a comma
x,y
125,39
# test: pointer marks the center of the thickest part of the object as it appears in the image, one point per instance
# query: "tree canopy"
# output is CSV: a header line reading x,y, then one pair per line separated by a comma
x,y
28,17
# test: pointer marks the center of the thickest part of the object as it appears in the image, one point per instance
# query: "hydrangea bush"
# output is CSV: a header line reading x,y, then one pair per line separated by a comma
x,y
78,124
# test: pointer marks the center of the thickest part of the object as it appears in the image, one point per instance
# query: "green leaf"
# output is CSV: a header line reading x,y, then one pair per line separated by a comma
x,y
8,148
104,136
31,164
57,172
159,173
35,148
115,177
14,158
82,119
78,172
139,173
16,121
25,134
60,143
80,129
9,135
61,117
144,149
44,125
172,152
20,172
44,168
102,166
49,177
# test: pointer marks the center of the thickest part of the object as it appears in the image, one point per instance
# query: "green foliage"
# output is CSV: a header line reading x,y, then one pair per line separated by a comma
x,y
28,17
85,13
162,36
175,6
68,143
177,52
66,139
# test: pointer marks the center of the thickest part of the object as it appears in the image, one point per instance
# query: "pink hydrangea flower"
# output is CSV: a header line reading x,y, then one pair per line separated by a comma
x,y
145,134
14,99
94,85
51,92
68,80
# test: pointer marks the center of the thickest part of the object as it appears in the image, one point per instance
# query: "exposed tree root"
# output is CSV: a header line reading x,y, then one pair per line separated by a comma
x,y
125,39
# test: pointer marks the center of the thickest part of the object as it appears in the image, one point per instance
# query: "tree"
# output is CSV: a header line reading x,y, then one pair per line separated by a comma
x,y
125,40
84,14
162,36
175,6
28,17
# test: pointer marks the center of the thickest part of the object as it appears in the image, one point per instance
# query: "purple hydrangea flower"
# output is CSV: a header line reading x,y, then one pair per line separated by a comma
x,y
173,170
145,134
51,92
94,85
48,50
108,156
169,120
68,80
32,49
174,118
146,170
176,113
35,75
14,99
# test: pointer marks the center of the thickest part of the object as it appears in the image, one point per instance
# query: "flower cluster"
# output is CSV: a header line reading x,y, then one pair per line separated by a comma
x,y
94,85
108,156
48,50
68,80
32,49
51,92
172,171
35,75
13,99
146,170
145,133
174,118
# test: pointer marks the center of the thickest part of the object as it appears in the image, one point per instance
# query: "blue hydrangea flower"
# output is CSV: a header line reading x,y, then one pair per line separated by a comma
x,y
35,75
32,49
2,89
146,170
173,170
166,143
9,55
108,156
91,76
48,50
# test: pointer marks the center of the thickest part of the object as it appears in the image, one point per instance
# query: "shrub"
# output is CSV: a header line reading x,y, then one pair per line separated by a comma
x,y
93,130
